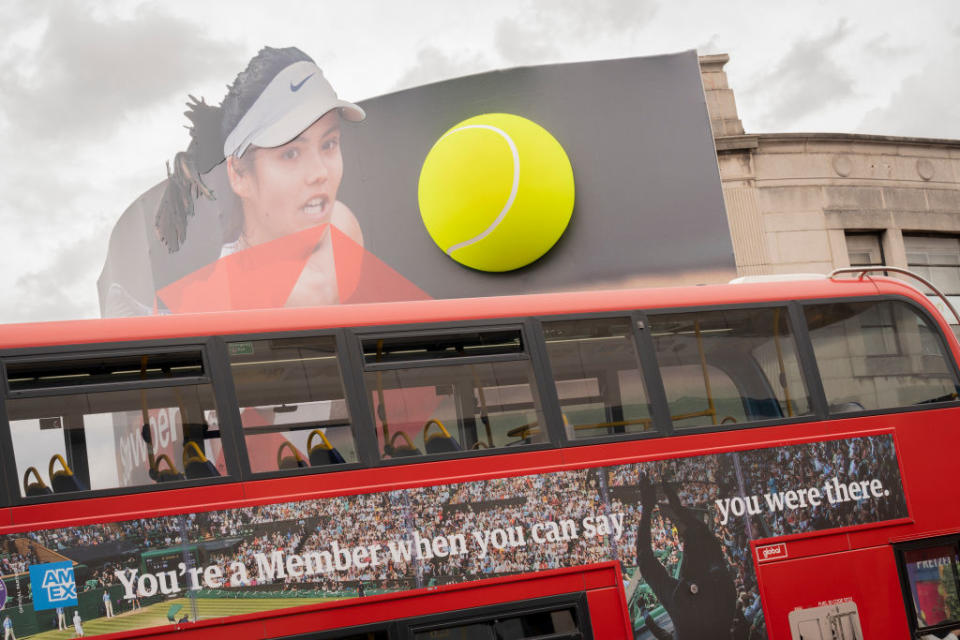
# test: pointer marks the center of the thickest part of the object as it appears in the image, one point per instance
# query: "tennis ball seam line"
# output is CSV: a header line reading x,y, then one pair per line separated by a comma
x,y
513,189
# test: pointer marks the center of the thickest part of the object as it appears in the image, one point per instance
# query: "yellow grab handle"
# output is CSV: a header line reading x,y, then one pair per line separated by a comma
x,y
170,464
426,427
191,447
293,449
27,475
63,462
326,443
404,435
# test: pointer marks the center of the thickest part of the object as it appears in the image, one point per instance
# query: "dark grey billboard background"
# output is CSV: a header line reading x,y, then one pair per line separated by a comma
x,y
637,132
649,207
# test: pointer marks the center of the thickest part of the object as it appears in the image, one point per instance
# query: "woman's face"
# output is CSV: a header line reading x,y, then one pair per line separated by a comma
x,y
292,187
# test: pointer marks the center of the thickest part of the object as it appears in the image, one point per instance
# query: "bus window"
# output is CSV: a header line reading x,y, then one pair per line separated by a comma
x,y
729,367
932,575
597,376
292,403
71,432
878,355
452,392
562,623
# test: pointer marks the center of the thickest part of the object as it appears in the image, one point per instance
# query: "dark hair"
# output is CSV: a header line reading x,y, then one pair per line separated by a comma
x,y
246,88
209,128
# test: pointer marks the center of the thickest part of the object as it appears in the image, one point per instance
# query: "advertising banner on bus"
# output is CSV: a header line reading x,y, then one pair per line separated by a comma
x,y
681,529
549,178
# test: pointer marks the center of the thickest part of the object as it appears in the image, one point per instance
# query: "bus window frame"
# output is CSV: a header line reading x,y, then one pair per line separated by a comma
x,y
529,354
100,387
92,350
406,628
899,549
809,376
577,600
646,364
650,368
932,322
346,366
352,366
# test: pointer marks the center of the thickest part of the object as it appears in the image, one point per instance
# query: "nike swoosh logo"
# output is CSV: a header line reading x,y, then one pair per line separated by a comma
x,y
296,87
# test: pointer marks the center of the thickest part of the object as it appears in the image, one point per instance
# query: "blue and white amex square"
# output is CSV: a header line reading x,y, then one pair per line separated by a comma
x,y
53,585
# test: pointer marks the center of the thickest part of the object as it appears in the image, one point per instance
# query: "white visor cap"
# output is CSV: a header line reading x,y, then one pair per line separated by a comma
x,y
296,98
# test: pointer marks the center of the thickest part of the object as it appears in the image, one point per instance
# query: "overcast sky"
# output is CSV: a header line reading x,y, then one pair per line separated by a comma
x,y
92,93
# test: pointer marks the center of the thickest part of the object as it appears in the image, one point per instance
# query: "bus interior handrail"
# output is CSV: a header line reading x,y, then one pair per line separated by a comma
x,y
864,270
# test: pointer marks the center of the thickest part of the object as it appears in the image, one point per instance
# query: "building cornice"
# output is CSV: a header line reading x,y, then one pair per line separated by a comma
x,y
850,137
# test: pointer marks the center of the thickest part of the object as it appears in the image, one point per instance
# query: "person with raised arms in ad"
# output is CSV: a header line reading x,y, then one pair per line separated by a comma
x,y
702,599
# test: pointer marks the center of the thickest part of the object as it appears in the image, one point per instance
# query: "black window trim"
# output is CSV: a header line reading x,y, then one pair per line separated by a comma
x,y
350,355
9,476
932,323
907,593
101,387
517,325
646,364
576,600
405,628
806,374
528,336
357,421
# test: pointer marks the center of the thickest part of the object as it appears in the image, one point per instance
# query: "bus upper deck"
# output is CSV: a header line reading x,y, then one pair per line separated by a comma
x,y
800,412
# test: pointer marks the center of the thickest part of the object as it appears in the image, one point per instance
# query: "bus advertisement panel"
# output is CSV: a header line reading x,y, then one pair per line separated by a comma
x,y
681,529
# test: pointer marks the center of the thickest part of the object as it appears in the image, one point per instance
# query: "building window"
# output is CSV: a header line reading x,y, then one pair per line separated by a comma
x,y
936,258
865,248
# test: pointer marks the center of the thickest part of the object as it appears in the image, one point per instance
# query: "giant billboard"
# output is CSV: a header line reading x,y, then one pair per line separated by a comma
x,y
549,178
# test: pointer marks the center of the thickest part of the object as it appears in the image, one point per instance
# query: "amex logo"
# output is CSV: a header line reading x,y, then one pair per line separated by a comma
x,y
53,585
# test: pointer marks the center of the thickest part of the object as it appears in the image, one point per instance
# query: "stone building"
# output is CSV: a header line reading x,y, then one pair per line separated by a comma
x,y
813,202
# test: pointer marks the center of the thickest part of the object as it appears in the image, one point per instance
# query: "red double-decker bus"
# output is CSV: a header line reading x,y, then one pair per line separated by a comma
x,y
739,461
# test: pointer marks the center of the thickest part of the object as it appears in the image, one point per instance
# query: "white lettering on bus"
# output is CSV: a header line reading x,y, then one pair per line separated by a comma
x,y
599,526
553,532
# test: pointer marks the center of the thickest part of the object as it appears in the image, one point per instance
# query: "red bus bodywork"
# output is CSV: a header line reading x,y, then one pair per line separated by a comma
x,y
816,568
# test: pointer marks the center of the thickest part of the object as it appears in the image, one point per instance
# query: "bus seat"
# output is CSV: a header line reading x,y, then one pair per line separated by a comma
x,y
323,452
195,463
37,488
404,449
63,479
292,461
164,475
441,442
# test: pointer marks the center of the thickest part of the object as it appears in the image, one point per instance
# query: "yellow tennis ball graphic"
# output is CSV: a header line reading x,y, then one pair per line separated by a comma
x,y
496,192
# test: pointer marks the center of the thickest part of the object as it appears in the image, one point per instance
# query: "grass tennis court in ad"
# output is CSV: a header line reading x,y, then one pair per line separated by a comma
x,y
155,615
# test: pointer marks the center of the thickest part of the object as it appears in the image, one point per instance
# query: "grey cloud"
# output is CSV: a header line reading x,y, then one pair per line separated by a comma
x,y
881,47
806,80
711,46
88,73
433,65
525,42
63,287
925,104
542,29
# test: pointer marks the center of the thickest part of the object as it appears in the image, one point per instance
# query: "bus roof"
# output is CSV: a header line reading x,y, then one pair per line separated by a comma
x,y
90,331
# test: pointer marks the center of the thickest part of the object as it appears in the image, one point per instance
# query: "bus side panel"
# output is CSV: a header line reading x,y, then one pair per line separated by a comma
x,y
867,577
608,614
